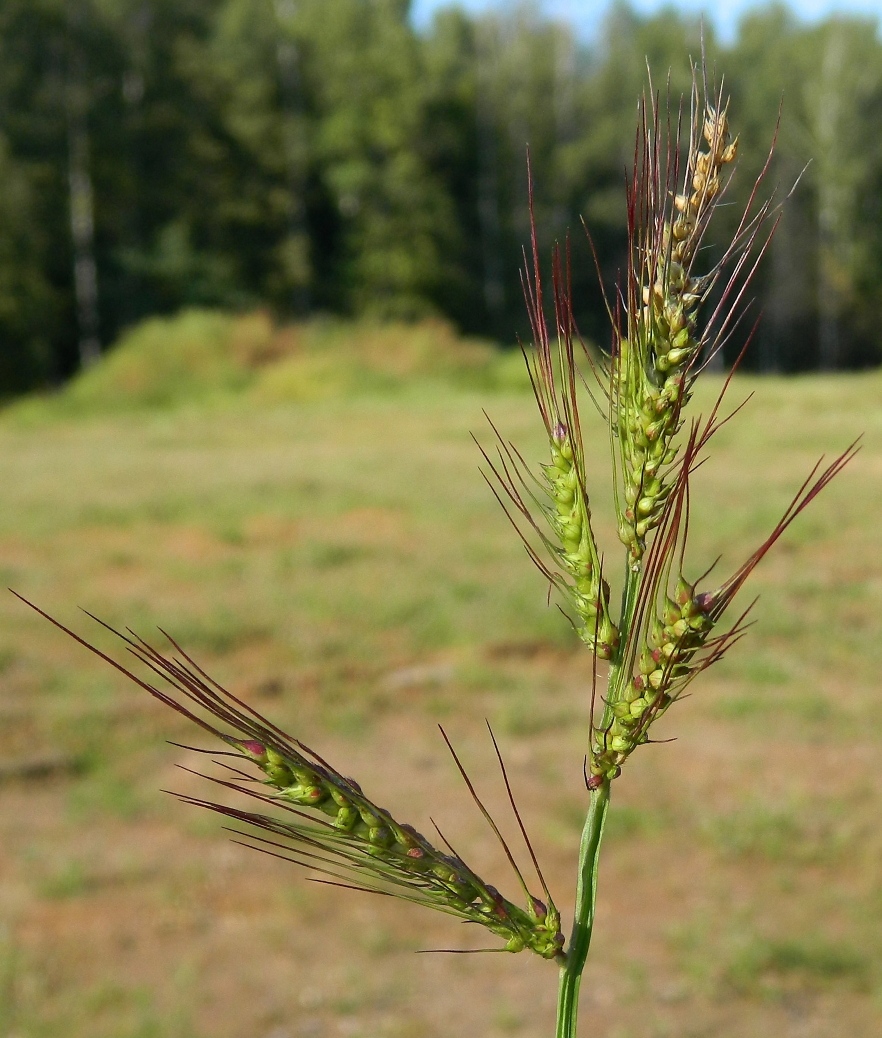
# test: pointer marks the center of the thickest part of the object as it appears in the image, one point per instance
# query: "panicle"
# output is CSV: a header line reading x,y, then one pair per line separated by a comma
x,y
667,630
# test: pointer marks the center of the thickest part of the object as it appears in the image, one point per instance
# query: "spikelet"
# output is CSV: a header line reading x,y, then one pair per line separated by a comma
x,y
324,821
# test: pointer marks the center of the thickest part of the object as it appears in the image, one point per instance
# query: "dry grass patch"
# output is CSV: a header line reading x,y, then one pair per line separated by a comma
x,y
310,553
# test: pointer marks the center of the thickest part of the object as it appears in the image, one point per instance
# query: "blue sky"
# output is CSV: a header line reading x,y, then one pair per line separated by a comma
x,y
725,12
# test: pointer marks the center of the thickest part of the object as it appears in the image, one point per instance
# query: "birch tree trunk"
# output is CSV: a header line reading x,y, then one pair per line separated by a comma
x,y
488,175
81,196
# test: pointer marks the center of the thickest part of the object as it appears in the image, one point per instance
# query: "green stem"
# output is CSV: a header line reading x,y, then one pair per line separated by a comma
x,y
589,851
586,894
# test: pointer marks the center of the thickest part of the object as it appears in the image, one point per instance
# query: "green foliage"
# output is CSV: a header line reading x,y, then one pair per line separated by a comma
x,y
327,158
336,357
200,355
163,361
24,289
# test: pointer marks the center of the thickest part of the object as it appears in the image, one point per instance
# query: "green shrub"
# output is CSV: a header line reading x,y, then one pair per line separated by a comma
x,y
205,354
166,360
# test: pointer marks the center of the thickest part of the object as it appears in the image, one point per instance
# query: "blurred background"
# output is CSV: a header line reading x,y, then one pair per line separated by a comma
x,y
259,277
366,159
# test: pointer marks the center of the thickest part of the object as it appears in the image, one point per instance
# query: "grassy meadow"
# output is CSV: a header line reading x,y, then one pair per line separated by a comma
x,y
334,556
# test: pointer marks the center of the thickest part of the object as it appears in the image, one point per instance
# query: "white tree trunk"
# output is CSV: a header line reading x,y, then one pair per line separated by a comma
x,y
81,196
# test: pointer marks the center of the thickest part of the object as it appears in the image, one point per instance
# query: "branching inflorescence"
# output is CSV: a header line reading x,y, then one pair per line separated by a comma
x,y
669,320
669,317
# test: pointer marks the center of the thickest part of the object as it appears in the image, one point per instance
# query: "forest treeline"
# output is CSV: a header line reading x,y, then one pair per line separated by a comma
x,y
315,156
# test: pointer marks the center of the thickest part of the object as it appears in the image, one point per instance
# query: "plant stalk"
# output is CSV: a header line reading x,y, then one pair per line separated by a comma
x,y
589,850
583,924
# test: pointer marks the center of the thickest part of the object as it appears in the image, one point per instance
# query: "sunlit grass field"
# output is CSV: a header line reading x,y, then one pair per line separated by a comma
x,y
341,564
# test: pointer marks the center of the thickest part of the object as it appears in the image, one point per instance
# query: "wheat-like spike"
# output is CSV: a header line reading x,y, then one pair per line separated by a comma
x,y
560,496
660,347
669,641
329,824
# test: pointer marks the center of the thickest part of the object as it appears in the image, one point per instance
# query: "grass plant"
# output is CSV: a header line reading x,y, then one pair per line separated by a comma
x,y
670,317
